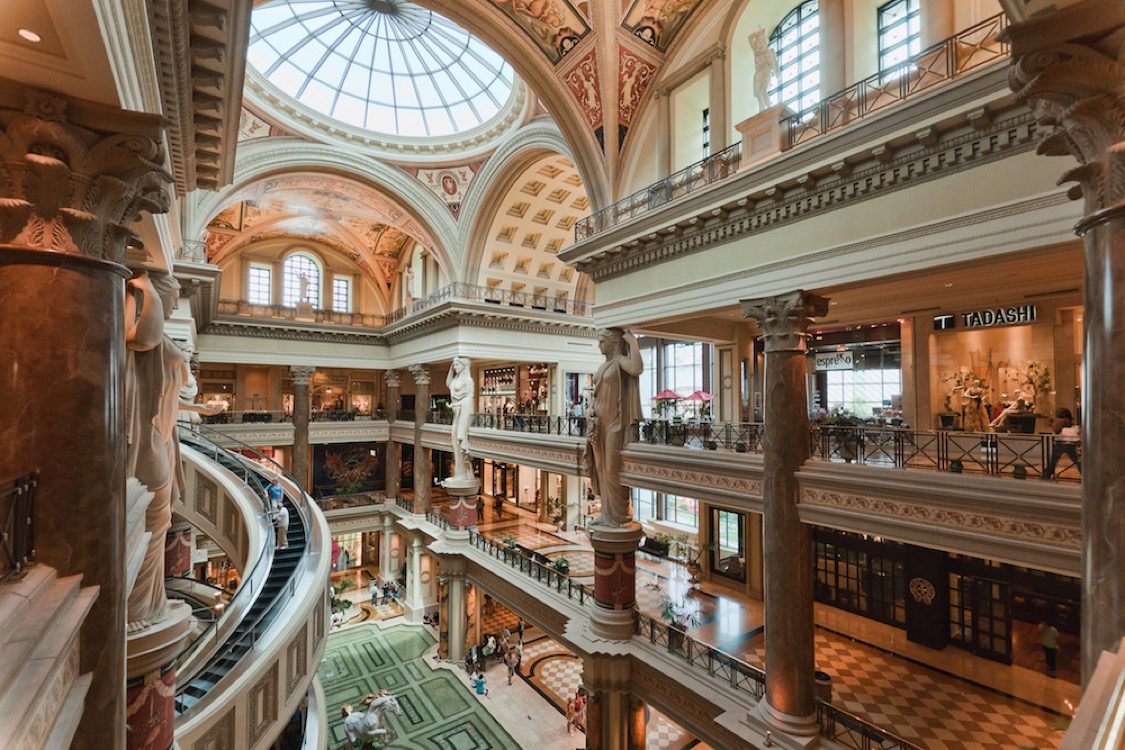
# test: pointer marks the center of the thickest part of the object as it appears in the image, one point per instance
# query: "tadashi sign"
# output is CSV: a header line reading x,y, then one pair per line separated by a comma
x,y
989,317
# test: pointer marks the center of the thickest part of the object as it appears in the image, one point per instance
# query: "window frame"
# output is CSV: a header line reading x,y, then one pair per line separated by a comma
x,y
315,286
251,286
347,281
912,41
796,19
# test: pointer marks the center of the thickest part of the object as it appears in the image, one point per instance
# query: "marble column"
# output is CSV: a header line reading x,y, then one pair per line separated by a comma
x,y
394,451
453,571
834,60
301,377
790,704
718,95
610,716
386,557
76,177
423,469
414,605
1067,66
638,731
663,145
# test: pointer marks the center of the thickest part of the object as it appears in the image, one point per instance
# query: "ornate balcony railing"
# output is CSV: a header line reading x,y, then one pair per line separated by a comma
x,y
539,424
857,733
242,308
948,59
1011,455
493,296
524,560
192,251
17,534
704,172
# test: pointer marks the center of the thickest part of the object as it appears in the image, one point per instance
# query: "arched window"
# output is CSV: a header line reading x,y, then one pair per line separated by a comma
x,y
300,281
796,41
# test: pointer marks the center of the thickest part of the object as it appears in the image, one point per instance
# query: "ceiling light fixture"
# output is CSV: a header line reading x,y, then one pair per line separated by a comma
x,y
30,35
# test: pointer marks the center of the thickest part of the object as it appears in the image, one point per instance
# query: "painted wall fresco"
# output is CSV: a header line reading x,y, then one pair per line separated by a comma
x,y
449,184
555,26
657,22
634,76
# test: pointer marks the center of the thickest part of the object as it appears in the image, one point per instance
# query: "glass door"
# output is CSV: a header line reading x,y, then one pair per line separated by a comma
x,y
728,544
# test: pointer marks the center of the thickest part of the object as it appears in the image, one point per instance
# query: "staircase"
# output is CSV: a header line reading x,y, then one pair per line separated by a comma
x,y
269,600
41,692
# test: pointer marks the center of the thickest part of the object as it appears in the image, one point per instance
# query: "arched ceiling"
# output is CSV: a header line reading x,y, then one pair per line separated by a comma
x,y
342,213
533,222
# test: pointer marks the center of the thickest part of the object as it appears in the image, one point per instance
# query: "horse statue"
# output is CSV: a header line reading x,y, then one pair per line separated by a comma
x,y
365,727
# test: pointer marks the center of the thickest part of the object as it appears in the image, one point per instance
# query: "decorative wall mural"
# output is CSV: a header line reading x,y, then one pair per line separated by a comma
x,y
347,468
251,126
634,76
656,22
448,183
554,25
582,80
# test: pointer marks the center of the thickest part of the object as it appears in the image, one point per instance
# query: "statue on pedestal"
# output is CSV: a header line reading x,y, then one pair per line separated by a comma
x,y
615,406
461,389
765,67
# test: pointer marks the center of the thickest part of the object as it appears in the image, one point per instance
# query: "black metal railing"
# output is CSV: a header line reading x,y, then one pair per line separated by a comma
x,y
17,535
856,733
738,674
539,423
493,296
252,416
712,169
948,59
525,561
1011,455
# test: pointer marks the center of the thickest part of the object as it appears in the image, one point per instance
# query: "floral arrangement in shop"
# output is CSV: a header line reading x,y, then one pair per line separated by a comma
x,y
1036,378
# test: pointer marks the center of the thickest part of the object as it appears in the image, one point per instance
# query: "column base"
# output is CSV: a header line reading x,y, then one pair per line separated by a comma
x,y
612,624
794,726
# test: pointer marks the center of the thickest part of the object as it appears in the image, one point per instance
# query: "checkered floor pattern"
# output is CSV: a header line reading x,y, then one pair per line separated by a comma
x,y
526,534
937,711
663,734
581,562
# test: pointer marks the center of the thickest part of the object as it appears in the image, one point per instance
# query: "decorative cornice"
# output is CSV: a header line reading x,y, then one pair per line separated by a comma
x,y
769,206
73,189
532,453
1005,526
265,330
743,486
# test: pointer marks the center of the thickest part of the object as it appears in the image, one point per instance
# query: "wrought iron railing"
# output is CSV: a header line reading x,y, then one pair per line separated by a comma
x,y
256,416
856,733
539,424
523,560
704,172
192,251
948,59
1011,455
17,535
738,674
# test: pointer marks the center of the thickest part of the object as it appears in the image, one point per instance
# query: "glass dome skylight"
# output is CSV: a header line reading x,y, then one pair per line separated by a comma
x,y
384,65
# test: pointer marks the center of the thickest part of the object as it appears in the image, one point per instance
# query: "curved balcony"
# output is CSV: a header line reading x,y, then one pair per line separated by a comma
x,y
244,674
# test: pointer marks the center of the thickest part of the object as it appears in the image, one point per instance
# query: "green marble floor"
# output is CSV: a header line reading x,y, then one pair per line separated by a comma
x,y
438,712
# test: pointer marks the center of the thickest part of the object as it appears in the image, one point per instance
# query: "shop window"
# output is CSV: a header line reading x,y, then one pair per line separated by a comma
x,y
648,379
341,294
900,36
259,285
861,576
681,510
300,280
644,505
728,550
683,367
796,41
864,393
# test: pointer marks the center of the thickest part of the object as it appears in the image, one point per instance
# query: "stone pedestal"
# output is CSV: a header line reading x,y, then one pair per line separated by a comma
x,y
789,663
301,377
1067,65
763,136
463,500
615,579
151,686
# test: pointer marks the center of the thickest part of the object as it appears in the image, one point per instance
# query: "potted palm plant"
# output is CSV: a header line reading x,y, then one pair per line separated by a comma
x,y
680,612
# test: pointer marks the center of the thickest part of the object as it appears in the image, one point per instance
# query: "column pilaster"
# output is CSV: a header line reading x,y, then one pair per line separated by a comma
x,y
423,468
76,177
386,552
610,716
394,450
790,704
1067,66
456,618
301,377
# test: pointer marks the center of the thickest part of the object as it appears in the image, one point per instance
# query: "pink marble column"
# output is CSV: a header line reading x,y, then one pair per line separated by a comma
x,y
394,453
151,701
76,176
790,704
301,377
177,550
615,579
423,468
1067,65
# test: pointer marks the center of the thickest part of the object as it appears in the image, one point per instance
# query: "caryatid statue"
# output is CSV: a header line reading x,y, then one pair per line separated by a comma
x,y
461,388
616,405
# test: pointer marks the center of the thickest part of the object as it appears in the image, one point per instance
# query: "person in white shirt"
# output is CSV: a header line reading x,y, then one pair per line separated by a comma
x,y
282,527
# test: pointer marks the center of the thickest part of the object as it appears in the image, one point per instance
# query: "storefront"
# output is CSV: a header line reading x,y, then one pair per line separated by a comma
x,y
857,370
1002,367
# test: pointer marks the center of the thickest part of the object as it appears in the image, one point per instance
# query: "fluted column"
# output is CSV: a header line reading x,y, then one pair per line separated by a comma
x,y
301,377
414,606
456,617
1067,66
75,178
423,470
386,558
790,704
611,712
394,451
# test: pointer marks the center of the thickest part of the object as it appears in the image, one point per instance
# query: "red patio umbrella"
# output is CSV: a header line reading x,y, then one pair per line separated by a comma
x,y
700,396
667,395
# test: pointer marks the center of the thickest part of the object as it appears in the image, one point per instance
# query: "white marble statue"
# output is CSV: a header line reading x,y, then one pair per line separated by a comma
x,y
765,66
368,726
461,389
615,406
156,370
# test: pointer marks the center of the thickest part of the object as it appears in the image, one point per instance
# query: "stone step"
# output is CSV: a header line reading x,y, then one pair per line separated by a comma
x,y
38,672
17,598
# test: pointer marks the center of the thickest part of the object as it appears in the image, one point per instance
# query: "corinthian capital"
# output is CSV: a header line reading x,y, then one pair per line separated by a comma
x,y
421,374
71,187
1068,66
393,379
301,374
785,320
